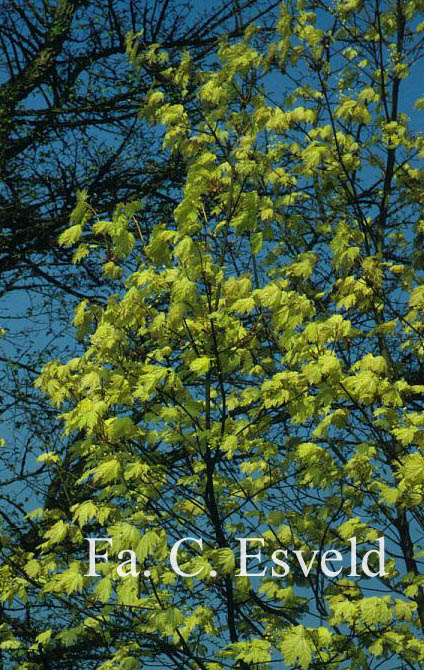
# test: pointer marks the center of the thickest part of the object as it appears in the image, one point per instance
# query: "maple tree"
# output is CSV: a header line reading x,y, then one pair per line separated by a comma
x,y
69,102
68,121
256,371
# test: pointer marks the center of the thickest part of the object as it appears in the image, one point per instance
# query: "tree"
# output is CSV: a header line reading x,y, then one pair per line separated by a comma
x,y
68,123
256,371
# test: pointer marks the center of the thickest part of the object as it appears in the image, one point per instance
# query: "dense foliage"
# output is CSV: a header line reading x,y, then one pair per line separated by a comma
x,y
69,102
256,371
